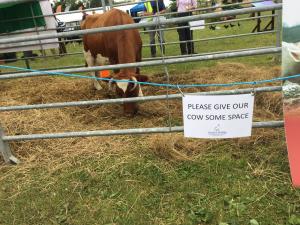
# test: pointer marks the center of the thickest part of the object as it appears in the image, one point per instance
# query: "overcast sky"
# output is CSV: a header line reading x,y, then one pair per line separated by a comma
x,y
290,14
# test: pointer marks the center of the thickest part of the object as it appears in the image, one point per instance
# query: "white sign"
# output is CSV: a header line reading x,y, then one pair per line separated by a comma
x,y
197,25
217,116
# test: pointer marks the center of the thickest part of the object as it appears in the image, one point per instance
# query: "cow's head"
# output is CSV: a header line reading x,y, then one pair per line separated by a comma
x,y
125,89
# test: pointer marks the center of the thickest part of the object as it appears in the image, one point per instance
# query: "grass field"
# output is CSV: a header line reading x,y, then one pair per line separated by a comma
x,y
146,179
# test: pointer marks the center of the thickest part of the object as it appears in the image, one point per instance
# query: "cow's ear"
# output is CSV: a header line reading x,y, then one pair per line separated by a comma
x,y
142,78
296,56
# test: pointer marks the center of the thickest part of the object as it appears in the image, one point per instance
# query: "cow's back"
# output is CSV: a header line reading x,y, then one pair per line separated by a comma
x,y
108,43
113,17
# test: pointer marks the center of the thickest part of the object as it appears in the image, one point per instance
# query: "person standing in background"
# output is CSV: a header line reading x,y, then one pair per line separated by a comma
x,y
150,10
59,7
185,34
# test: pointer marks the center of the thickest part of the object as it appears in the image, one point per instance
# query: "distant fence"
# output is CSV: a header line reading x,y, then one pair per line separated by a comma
x,y
12,43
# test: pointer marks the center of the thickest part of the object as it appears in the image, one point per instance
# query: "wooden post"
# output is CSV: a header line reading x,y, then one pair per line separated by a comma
x,y
5,150
27,63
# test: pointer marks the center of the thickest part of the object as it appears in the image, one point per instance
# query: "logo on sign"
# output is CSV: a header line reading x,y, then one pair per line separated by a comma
x,y
217,132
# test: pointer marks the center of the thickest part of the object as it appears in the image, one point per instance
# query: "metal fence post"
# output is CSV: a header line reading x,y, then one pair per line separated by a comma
x,y
111,5
279,29
279,26
103,5
5,150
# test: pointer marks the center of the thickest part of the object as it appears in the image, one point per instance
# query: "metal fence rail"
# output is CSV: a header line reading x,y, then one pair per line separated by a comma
x,y
211,8
147,63
163,29
4,139
157,44
214,23
210,53
135,99
119,5
14,45
273,124
215,38
146,24
205,10
144,59
43,57
76,27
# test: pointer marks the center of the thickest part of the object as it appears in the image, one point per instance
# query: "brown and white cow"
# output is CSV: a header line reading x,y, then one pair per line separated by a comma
x,y
117,47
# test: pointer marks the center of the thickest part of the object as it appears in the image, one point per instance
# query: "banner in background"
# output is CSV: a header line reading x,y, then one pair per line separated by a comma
x,y
291,87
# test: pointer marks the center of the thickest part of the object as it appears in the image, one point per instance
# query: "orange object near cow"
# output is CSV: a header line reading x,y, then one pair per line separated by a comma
x,y
104,74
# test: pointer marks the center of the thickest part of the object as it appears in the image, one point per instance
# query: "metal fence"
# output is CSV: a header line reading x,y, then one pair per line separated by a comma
x,y
170,22
4,139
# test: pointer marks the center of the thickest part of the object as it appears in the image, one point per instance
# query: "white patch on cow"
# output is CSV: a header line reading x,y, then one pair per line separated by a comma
x,y
91,61
140,92
295,55
100,60
123,86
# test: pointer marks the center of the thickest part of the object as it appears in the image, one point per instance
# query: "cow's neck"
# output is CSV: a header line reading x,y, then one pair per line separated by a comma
x,y
126,73
126,51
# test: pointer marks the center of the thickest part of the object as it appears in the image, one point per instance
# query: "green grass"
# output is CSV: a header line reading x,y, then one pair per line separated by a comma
x,y
227,182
